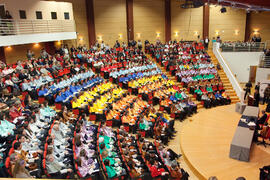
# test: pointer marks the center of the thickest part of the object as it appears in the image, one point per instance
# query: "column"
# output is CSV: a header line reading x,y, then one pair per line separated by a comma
x,y
167,20
130,22
90,21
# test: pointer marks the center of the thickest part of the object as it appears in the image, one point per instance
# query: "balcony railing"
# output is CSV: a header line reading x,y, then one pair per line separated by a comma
x,y
243,46
264,61
235,84
10,27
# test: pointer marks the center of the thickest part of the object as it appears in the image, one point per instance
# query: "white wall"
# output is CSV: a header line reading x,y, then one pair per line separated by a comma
x,y
240,62
35,38
31,6
263,76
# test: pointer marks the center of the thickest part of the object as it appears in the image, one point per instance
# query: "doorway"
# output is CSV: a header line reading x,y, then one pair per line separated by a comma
x,y
252,73
2,11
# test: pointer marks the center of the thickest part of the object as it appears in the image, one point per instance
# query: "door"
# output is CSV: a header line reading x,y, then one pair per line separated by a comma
x,y
2,11
252,73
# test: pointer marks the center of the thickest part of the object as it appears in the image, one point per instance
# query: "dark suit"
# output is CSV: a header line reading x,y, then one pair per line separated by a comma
x,y
262,119
256,99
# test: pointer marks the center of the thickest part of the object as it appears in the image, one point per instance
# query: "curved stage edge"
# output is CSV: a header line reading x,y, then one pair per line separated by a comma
x,y
205,145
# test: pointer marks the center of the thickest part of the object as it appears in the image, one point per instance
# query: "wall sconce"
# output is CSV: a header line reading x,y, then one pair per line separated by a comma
x,y
256,31
99,38
196,33
158,34
36,45
217,32
58,43
139,35
8,48
80,38
176,33
120,36
236,32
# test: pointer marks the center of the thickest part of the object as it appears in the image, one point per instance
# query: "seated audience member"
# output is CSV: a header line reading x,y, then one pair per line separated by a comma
x,y
110,171
206,100
16,113
155,170
175,172
55,169
263,118
29,104
134,173
19,170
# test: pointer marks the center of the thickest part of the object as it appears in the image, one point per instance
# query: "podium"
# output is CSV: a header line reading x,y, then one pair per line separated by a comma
x,y
240,107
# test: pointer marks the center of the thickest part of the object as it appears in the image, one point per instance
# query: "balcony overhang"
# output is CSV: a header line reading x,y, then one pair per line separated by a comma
x,y
11,40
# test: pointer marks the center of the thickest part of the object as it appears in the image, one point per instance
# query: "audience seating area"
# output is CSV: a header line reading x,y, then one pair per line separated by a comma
x,y
50,107
192,67
87,114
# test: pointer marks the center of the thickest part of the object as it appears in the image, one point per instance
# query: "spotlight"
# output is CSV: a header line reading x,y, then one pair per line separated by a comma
x,y
223,10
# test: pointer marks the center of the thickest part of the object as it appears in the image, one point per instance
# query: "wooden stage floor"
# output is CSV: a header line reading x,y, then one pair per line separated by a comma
x,y
205,143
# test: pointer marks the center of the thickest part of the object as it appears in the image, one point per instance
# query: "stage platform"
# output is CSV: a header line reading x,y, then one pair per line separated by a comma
x,y
205,143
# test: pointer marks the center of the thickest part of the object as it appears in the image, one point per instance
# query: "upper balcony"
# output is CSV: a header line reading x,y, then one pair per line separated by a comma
x,y
34,21
15,32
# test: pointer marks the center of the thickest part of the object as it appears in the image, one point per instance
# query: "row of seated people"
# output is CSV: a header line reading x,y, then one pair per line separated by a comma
x,y
14,84
127,111
170,159
131,155
176,103
97,101
31,70
150,157
147,122
203,74
84,149
115,59
109,152
66,95
133,72
50,63
135,85
164,127
58,153
29,129
53,93
210,95
50,89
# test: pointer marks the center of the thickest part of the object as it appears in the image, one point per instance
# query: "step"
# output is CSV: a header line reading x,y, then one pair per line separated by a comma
x,y
200,106
235,101
234,97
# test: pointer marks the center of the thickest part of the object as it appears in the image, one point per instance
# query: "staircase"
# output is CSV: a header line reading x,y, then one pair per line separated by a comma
x,y
173,78
226,82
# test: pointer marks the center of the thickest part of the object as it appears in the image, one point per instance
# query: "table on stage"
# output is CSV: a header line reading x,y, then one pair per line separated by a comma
x,y
242,140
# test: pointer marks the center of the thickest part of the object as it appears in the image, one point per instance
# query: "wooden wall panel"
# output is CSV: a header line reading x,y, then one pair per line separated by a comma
x,y
227,24
261,23
149,19
187,22
15,53
130,20
110,20
79,13
2,55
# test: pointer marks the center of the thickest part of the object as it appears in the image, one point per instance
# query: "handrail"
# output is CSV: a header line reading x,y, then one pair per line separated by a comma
x,y
17,27
243,46
235,84
264,61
